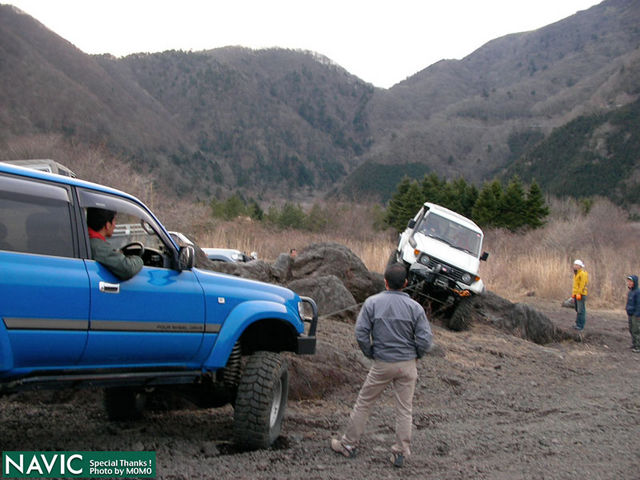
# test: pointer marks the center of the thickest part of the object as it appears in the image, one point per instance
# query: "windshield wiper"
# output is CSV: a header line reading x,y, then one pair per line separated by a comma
x,y
443,240
457,247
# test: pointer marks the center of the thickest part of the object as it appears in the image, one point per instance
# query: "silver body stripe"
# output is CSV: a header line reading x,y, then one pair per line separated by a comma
x,y
124,326
44,324
213,328
106,325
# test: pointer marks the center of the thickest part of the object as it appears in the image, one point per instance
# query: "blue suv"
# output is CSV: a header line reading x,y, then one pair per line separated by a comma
x,y
67,321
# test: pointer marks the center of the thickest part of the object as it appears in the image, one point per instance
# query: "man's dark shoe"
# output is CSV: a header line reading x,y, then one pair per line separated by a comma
x,y
397,459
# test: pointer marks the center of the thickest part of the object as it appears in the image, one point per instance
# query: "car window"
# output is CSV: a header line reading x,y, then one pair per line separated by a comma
x,y
133,224
110,202
35,218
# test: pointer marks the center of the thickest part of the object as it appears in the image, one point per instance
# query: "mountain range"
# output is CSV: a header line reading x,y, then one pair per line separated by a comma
x,y
292,124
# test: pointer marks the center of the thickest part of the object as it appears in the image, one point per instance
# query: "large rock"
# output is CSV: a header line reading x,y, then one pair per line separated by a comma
x,y
282,267
324,259
329,273
518,319
333,299
254,270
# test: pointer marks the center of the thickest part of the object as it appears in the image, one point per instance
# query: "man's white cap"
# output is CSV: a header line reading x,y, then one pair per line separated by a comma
x,y
579,263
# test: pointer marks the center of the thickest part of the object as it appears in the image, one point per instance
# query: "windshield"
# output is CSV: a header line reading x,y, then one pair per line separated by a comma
x,y
452,233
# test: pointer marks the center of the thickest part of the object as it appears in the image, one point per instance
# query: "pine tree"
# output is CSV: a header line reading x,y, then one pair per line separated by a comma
x,y
464,196
433,189
537,209
404,204
513,205
485,211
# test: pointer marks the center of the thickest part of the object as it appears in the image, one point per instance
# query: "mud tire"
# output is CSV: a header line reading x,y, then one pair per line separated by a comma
x,y
393,258
261,401
461,317
123,403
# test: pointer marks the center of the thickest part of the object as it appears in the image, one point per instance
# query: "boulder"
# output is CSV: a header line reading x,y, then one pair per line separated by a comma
x,y
324,259
253,270
518,319
282,267
333,299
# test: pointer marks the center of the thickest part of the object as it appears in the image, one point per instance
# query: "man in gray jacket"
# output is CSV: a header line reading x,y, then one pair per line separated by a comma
x,y
393,330
101,224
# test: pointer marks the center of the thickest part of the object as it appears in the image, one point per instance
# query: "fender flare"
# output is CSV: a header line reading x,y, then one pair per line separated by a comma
x,y
240,318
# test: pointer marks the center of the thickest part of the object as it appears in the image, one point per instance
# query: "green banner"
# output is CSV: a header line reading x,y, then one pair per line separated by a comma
x,y
78,464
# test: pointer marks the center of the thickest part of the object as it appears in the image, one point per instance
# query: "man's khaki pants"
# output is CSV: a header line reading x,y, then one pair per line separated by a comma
x,y
402,375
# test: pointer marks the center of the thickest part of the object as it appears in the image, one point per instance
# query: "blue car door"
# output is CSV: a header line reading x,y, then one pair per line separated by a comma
x,y
44,287
155,318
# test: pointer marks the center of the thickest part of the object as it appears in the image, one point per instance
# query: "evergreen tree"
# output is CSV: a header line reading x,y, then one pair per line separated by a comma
x,y
254,211
462,197
234,207
492,206
404,204
450,197
433,189
486,210
537,209
318,219
292,216
470,200
513,213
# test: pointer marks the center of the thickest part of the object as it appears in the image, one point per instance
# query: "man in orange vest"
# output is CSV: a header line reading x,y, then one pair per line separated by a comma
x,y
579,293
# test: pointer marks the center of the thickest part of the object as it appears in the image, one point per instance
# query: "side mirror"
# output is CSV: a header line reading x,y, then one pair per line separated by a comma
x,y
411,224
186,258
484,256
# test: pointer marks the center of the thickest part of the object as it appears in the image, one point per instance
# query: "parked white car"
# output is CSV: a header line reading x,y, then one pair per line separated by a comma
x,y
228,255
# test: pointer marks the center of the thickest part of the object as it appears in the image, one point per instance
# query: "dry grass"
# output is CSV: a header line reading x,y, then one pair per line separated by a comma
x,y
249,236
540,261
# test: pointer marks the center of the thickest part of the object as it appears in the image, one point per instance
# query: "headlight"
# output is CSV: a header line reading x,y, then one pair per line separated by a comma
x,y
302,311
466,278
424,260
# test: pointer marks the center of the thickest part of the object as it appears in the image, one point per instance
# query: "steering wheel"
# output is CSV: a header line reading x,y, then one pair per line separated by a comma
x,y
134,244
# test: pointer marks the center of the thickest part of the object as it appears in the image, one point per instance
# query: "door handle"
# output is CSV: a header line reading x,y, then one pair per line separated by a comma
x,y
109,287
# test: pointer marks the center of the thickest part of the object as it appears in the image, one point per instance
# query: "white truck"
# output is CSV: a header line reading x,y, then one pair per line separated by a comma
x,y
442,252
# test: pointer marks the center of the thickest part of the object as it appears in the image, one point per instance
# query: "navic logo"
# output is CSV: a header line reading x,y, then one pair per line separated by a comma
x,y
78,464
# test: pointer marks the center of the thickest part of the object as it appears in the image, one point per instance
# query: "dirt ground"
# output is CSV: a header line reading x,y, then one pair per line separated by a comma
x,y
488,405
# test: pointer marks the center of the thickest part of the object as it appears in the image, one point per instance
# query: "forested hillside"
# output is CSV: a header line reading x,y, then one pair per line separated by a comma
x,y
473,117
286,124
262,120
596,154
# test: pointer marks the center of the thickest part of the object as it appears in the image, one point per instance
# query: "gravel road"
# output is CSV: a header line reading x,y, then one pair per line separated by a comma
x,y
488,405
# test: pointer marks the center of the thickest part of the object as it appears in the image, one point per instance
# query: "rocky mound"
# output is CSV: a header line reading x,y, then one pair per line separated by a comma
x,y
518,319
339,282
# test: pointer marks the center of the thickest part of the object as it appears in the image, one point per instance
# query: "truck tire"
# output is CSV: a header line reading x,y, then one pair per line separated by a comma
x,y
124,403
393,258
261,401
461,318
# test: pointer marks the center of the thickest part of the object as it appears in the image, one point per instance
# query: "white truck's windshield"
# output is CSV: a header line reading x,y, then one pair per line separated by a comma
x,y
450,232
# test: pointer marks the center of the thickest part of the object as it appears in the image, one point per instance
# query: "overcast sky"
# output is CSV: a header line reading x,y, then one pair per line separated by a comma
x,y
382,42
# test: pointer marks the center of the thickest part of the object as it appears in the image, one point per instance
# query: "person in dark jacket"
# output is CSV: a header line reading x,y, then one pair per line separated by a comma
x,y
101,223
633,312
392,329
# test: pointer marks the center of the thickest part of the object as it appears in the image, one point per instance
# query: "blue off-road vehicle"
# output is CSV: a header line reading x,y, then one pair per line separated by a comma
x,y
67,321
